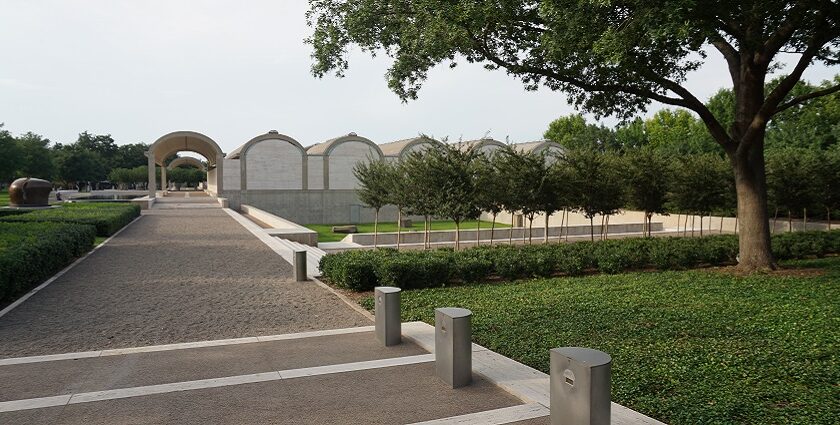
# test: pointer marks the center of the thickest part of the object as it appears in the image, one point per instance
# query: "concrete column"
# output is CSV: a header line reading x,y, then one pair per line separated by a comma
x,y
580,386
163,183
453,346
300,266
152,174
387,315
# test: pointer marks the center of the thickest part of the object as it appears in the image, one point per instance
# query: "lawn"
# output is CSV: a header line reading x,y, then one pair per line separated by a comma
x,y
4,198
325,233
688,347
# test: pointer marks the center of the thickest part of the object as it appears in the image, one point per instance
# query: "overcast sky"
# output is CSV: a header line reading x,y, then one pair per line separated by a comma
x,y
236,69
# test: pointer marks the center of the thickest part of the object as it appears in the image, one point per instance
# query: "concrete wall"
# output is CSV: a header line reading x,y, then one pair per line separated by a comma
x,y
231,180
281,227
343,158
315,172
273,164
488,149
310,206
211,180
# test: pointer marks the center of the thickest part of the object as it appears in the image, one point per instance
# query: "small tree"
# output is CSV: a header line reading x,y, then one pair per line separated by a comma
x,y
421,194
699,185
373,188
454,179
790,181
830,181
526,176
489,190
399,193
647,177
595,184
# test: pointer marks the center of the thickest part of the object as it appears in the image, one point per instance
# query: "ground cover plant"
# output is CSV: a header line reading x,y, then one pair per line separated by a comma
x,y
106,217
361,270
688,347
325,233
31,252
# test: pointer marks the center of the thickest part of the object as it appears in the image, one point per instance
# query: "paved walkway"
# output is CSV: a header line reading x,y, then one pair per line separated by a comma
x,y
174,275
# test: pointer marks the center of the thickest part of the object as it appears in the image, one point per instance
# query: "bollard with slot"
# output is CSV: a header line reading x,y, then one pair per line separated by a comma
x,y
387,315
300,266
453,346
580,386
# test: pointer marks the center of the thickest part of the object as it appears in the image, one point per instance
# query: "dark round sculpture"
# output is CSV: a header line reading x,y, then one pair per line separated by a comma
x,y
30,192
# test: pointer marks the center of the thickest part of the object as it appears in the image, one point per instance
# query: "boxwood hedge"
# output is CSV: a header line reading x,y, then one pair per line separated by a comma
x,y
106,217
363,270
31,252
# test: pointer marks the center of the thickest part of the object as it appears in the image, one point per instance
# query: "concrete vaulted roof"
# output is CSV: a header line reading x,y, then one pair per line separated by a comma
x,y
326,147
398,147
271,135
479,143
185,141
186,160
537,146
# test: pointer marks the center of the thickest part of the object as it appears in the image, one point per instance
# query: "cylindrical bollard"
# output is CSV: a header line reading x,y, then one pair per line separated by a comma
x,y
300,266
453,346
387,315
580,386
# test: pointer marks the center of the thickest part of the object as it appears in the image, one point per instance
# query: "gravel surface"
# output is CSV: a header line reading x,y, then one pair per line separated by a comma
x,y
175,275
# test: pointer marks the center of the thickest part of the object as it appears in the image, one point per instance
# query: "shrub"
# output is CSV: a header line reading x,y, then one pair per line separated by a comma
x,y
31,252
362,270
9,211
106,217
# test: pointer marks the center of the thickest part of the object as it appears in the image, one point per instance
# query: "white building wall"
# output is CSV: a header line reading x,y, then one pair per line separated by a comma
x,y
211,180
273,164
232,179
488,149
315,172
342,160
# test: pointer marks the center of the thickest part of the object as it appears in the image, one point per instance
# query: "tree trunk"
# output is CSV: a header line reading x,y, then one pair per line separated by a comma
x,y
790,222
685,226
701,225
399,219
530,229
426,242
375,225
692,225
510,236
828,216
678,224
775,217
545,234
478,232
750,185
720,230
804,219
607,229
592,228
492,229
457,235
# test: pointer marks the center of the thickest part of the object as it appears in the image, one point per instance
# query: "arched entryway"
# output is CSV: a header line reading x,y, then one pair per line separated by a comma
x,y
190,141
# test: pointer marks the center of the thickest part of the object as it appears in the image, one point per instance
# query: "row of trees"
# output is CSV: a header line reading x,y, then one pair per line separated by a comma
x,y
137,177
457,184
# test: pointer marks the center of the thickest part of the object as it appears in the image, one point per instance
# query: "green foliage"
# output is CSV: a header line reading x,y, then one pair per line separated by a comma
x,y
647,176
35,158
77,165
573,132
31,252
688,347
373,178
677,131
107,218
596,186
363,270
791,186
700,183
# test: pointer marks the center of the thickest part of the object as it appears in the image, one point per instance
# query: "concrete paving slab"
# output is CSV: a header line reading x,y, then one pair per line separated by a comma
x,y
404,394
172,276
123,371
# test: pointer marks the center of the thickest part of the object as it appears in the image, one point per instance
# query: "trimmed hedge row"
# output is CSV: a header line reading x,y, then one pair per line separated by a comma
x,y
32,252
363,270
106,217
8,212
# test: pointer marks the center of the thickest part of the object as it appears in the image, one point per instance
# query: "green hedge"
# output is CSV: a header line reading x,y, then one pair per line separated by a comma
x,y
5,212
363,270
32,252
106,217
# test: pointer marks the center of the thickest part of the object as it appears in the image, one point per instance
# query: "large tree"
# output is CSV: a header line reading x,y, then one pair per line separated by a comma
x,y
609,58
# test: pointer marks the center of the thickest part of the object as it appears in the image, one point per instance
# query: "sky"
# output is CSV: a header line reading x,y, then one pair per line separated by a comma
x,y
233,70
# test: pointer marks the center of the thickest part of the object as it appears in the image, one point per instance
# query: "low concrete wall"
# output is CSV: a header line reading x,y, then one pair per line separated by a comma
x,y
310,206
145,202
281,227
437,236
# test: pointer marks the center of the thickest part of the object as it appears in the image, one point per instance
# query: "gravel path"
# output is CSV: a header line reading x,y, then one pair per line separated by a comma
x,y
175,275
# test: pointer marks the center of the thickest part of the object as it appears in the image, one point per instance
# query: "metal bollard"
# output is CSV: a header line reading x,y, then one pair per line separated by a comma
x,y
580,386
453,346
387,315
300,266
